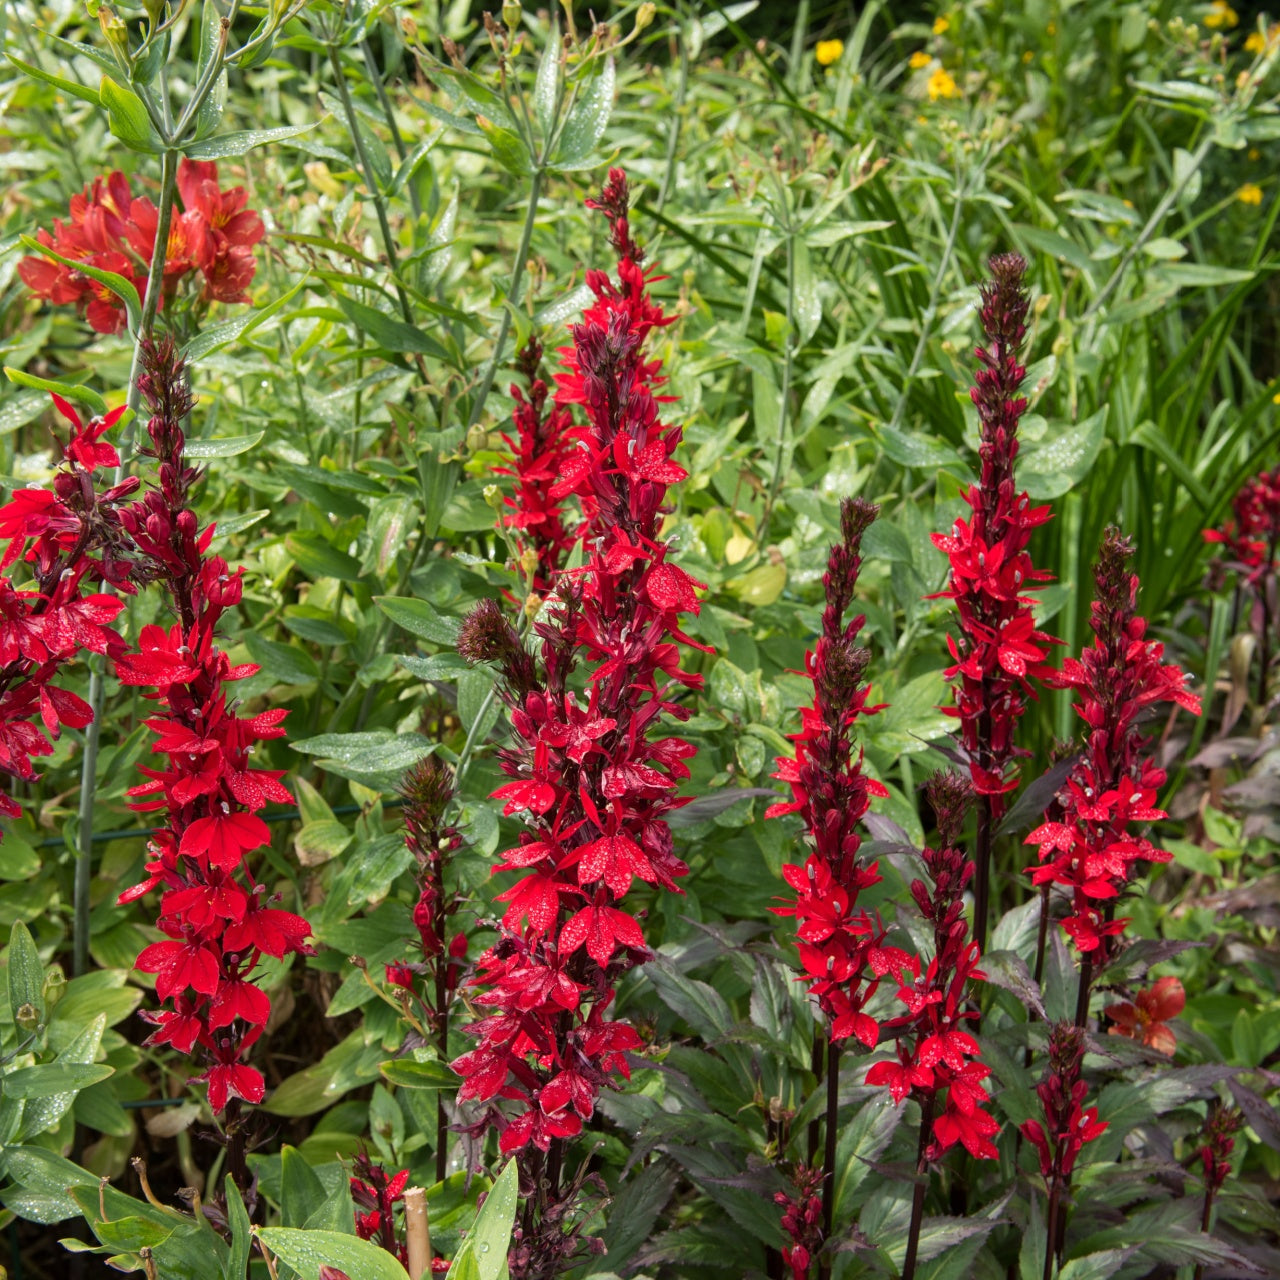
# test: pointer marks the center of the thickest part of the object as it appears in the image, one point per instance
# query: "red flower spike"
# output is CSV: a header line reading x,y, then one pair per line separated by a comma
x,y
587,774
937,1060
1068,1125
67,538
1089,847
206,796
999,651
842,949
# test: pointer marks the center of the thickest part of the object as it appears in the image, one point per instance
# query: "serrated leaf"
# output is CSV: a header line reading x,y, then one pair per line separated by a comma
x,y
419,618
586,123
228,145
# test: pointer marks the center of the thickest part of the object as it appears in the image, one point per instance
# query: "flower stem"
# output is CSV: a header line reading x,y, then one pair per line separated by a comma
x,y
1206,1219
1082,994
917,1193
514,290
93,730
982,873
816,1063
829,1152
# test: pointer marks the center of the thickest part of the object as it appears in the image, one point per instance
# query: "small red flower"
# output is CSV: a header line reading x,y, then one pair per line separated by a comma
x,y
1146,1018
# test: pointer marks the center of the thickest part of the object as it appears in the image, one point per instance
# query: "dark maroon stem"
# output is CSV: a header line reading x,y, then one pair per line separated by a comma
x,y
1082,994
829,1153
982,872
917,1192
817,1060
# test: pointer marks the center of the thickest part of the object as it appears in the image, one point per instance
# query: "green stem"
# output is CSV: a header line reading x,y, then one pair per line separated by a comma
x,y
788,363
371,182
92,734
514,290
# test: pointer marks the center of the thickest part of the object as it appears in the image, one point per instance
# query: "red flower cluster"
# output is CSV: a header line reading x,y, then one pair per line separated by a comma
x,y
375,1195
1217,1142
934,1052
69,536
217,918
802,1220
1147,1017
1252,534
1062,1095
539,451
110,230
842,950
1091,850
592,783
999,648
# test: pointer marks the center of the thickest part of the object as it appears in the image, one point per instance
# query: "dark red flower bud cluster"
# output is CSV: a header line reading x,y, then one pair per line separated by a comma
x,y
935,1053
842,949
213,235
1217,1142
1091,850
588,775
999,649
1252,534
543,539
802,1220
68,537
218,920
375,1194
1062,1092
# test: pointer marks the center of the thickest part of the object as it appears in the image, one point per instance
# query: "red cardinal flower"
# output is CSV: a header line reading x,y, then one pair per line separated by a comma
x,y
213,907
1146,1017
589,776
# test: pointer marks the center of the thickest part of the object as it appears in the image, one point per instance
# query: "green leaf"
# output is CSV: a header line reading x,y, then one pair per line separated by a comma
x,y
52,1078
223,335
484,1251
43,1114
281,662
73,87
1052,469
419,618
546,89
1200,275
388,333
586,123
26,978
508,148
301,1191
128,118
227,145
215,101
1095,1266
118,285
409,1074
237,1263
222,447
377,756
320,559
307,1251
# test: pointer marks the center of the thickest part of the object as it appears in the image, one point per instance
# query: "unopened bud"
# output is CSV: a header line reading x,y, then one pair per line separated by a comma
x,y
645,15
477,437
115,33
27,1016
493,496
532,605
55,985
332,1273
511,14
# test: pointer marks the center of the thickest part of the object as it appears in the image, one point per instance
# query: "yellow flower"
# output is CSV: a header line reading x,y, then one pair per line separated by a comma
x,y
1275,399
941,85
1028,56
828,51
1051,29
941,26
1255,154
1250,193
920,59
1255,43
1221,14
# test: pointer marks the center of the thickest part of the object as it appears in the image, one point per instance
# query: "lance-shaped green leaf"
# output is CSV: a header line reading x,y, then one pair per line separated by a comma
x,y
128,118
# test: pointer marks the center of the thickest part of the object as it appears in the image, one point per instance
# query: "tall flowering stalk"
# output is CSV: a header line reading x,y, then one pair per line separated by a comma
x,y
211,241
589,775
1251,539
541,444
217,918
936,1058
843,951
998,650
1090,849
1068,1126
68,536
428,790
1217,1142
